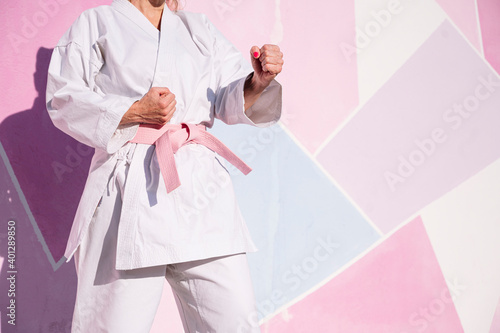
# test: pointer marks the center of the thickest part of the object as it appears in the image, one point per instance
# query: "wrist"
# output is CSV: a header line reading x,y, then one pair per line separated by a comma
x,y
253,84
132,115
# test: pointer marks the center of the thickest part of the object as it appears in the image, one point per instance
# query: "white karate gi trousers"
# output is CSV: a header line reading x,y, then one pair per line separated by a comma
x,y
212,295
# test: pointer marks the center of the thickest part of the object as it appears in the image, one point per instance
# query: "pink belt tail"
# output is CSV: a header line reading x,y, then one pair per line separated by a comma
x,y
169,138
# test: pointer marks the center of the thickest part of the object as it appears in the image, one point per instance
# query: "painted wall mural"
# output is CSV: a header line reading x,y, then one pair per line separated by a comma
x,y
374,202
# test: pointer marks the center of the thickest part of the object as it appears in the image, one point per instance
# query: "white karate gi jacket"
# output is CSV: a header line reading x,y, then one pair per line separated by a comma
x,y
108,59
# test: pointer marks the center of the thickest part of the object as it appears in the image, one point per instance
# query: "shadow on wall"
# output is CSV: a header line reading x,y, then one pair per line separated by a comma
x,y
51,169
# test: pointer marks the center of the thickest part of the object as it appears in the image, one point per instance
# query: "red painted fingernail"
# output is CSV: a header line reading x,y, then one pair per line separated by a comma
x,y
256,54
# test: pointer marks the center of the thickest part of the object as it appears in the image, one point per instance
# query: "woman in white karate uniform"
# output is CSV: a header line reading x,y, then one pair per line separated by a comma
x,y
139,81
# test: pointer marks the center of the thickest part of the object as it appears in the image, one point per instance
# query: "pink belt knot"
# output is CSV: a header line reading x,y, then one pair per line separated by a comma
x,y
169,138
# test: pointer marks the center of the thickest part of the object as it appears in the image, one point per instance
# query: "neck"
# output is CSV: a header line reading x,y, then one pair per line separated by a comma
x,y
149,5
152,9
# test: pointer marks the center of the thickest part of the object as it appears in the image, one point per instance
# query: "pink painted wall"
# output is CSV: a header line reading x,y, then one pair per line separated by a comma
x,y
495,325
464,14
321,80
490,28
397,287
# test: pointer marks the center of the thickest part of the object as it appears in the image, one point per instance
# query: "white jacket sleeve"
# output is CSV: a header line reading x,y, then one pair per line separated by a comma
x,y
77,107
232,69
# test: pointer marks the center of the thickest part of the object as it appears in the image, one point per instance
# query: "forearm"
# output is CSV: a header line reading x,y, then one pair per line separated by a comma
x,y
252,91
132,115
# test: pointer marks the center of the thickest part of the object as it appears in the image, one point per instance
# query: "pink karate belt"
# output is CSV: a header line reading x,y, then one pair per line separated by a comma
x,y
169,138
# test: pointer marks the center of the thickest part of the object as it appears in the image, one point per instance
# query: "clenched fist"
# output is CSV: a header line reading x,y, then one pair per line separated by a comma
x,y
267,62
157,107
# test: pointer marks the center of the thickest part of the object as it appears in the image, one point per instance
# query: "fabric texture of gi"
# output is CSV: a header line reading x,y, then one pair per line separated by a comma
x,y
108,59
